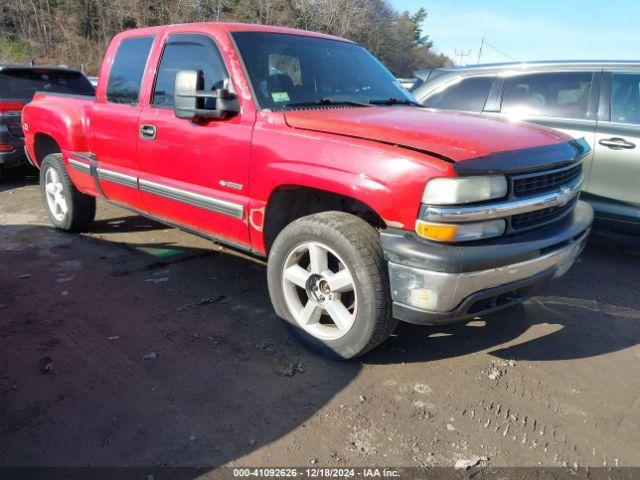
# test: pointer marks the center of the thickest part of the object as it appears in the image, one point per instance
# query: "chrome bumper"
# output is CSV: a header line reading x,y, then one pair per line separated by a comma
x,y
429,296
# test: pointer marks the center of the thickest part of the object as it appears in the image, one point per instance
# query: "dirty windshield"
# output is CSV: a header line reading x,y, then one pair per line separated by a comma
x,y
293,70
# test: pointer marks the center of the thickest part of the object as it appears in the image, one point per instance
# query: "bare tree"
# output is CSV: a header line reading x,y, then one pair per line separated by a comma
x,y
76,32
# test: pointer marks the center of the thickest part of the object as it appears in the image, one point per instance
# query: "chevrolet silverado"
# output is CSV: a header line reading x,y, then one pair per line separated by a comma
x,y
302,148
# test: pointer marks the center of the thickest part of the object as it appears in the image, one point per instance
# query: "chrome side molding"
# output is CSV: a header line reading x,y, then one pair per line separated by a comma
x,y
86,156
116,177
80,166
191,198
79,162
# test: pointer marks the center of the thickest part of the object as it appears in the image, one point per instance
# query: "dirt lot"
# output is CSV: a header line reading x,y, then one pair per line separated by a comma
x,y
137,344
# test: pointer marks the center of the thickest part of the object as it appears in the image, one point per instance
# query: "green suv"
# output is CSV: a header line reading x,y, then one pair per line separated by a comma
x,y
597,100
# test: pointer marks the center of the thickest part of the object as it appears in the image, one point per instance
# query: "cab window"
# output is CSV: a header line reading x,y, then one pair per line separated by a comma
x,y
555,94
127,70
188,52
467,95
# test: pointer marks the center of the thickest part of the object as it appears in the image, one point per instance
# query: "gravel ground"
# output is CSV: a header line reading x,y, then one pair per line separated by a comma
x,y
136,344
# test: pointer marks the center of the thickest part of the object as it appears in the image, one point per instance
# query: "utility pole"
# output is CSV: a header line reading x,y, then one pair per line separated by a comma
x,y
462,54
480,50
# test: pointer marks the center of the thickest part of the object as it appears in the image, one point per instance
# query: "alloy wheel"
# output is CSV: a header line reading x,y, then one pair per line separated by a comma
x,y
319,291
54,192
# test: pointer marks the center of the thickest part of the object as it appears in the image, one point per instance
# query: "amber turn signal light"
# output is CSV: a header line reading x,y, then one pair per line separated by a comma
x,y
438,232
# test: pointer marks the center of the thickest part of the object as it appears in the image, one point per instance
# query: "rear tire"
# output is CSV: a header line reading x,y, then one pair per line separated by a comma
x,y
328,279
68,208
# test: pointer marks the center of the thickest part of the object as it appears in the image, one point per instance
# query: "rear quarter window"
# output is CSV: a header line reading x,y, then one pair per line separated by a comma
x,y
127,70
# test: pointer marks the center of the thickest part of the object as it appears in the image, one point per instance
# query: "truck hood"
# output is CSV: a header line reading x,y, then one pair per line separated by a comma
x,y
475,143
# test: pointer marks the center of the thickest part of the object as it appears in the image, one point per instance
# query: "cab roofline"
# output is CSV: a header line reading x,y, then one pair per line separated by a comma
x,y
229,27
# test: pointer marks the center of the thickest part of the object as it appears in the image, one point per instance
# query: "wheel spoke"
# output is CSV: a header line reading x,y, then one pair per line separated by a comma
x,y
341,281
50,188
310,314
319,258
62,204
339,314
297,275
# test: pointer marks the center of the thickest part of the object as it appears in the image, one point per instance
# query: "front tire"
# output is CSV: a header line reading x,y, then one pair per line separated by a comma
x,y
328,278
67,207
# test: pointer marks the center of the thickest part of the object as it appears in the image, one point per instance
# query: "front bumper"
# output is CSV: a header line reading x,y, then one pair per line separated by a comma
x,y
435,283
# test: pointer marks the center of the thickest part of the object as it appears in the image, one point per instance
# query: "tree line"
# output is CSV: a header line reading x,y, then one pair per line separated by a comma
x,y
77,32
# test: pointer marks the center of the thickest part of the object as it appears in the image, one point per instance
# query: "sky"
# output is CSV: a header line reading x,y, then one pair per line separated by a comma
x,y
532,29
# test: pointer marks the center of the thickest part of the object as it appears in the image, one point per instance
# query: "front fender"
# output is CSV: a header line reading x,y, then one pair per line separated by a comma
x,y
387,179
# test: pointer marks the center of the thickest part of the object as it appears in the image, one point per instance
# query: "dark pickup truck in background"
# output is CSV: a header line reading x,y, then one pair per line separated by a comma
x,y
18,84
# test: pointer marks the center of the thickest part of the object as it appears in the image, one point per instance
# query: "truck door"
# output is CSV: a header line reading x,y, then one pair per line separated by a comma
x,y
115,122
194,173
616,165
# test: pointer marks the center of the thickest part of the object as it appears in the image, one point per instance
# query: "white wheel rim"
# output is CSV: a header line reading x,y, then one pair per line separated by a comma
x,y
319,291
54,192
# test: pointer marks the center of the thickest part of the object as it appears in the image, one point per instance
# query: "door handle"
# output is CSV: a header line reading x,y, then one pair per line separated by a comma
x,y
617,143
147,132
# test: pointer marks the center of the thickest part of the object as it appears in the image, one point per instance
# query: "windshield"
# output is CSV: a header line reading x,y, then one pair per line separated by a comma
x,y
294,69
24,83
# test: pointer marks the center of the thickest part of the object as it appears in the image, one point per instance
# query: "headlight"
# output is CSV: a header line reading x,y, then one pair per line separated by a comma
x,y
461,232
459,190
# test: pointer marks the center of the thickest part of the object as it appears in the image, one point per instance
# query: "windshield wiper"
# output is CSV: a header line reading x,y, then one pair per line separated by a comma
x,y
327,101
395,101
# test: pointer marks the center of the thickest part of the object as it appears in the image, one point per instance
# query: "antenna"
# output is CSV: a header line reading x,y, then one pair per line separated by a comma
x,y
500,51
462,53
480,50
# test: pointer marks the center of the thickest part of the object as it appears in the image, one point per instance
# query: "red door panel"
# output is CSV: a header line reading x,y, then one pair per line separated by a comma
x,y
196,174
115,146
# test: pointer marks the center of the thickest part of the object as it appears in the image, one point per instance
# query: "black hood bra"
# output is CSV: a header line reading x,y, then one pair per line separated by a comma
x,y
526,159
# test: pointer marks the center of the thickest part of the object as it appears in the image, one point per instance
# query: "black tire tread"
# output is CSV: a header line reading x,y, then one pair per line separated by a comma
x,y
366,241
83,207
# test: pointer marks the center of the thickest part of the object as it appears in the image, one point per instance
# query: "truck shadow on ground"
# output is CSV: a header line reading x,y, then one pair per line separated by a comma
x,y
11,178
125,224
593,310
112,357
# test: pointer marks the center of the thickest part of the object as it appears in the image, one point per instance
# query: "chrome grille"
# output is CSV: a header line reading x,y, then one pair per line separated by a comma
x,y
540,183
525,221
542,197
533,184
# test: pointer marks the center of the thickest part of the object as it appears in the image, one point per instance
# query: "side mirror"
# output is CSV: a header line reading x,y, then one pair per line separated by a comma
x,y
190,98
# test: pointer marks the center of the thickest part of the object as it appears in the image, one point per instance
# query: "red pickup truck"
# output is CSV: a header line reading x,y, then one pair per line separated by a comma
x,y
303,148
